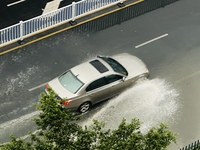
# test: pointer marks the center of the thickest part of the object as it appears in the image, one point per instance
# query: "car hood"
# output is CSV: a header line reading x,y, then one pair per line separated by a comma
x,y
132,64
59,89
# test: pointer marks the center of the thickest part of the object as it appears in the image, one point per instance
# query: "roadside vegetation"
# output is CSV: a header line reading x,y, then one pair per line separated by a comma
x,y
58,130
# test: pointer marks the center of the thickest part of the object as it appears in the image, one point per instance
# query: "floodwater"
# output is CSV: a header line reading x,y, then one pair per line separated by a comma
x,y
151,101
11,107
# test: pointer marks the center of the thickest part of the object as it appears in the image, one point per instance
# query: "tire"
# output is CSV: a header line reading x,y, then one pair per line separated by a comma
x,y
83,108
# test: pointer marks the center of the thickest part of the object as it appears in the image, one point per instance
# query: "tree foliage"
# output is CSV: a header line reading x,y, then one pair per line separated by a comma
x,y
58,130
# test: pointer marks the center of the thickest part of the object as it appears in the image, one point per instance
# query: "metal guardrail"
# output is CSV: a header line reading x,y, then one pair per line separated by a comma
x,y
24,29
192,146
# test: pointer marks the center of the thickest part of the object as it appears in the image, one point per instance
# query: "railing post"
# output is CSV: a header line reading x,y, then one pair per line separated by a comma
x,y
21,33
73,22
21,30
121,3
73,11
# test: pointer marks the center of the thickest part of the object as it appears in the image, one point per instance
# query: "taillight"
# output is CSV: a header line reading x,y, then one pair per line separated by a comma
x,y
65,103
47,86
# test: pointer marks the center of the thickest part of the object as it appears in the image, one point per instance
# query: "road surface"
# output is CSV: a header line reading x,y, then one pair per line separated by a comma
x,y
167,40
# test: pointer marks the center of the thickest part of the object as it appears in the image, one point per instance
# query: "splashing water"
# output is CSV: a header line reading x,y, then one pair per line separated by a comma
x,y
12,83
151,101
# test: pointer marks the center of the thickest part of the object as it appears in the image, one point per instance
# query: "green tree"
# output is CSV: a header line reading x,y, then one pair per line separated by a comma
x,y
58,130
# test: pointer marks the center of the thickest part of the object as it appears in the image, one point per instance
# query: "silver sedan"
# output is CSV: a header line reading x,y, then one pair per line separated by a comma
x,y
96,80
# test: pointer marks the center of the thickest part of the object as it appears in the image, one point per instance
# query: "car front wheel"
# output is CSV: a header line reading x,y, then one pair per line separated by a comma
x,y
84,107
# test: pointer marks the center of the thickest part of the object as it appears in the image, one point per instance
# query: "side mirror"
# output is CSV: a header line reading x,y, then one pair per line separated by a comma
x,y
123,79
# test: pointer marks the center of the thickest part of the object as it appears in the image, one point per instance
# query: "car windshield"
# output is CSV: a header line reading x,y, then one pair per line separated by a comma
x,y
70,82
116,66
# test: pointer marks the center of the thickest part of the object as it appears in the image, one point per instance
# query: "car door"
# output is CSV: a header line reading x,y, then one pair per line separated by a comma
x,y
98,90
116,84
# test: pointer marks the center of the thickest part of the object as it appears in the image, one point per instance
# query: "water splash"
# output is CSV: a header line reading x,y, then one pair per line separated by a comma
x,y
22,78
151,101
19,127
18,121
2,66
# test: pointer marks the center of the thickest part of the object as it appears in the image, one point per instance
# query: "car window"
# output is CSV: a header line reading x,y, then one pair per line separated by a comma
x,y
70,82
113,78
116,66
96,84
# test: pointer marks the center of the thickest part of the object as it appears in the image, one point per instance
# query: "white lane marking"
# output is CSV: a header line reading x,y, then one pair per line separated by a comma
x,y
162,36
37,87
16,2
51,6
187,77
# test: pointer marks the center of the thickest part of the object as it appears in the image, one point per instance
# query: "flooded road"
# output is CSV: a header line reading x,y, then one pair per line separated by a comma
x,y
151,101
171,95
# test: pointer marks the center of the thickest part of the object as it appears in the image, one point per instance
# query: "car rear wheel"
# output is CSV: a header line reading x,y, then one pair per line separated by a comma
x,y
84,107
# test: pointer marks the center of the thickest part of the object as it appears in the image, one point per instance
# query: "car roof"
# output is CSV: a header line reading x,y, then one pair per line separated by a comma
x,y
91,70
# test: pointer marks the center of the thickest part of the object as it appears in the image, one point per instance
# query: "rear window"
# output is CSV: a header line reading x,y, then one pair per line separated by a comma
x,y
116,66
70,82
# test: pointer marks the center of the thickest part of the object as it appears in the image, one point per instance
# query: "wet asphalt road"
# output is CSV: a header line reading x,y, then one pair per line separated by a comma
x,y
174,58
